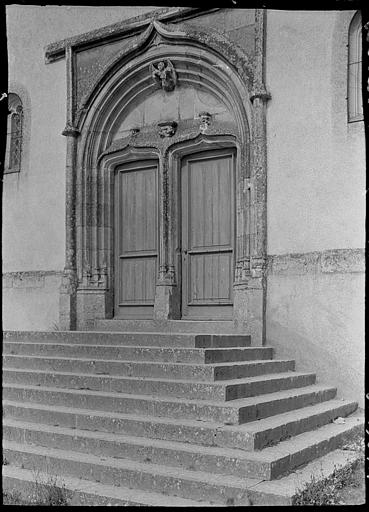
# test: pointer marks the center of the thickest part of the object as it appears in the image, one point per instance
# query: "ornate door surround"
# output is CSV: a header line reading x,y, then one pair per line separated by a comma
x,y
201,59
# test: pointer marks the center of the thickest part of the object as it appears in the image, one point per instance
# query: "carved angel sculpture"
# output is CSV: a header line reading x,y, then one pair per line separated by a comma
x,y
164,75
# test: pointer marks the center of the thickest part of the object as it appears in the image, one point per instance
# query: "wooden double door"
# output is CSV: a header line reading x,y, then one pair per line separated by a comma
x,y
205,232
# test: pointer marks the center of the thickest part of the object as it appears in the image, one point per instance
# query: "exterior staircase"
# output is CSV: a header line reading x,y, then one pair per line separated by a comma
x,y
166,419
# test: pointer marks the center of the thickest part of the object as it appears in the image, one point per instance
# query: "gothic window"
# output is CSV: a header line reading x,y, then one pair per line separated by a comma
x,y
14,134
355,99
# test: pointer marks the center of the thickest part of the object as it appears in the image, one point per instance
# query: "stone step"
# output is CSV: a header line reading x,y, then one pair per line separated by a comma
x,y
249,436
260,434
158,339
91,493
175,454
182,371
199,485
268,464
221,390
141,353
168,326
283,490
196,485
233,412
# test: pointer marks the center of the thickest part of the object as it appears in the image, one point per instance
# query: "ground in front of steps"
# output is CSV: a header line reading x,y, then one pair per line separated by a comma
x,y
352,493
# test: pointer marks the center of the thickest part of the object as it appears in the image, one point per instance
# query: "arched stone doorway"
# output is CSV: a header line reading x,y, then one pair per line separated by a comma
x,y
139,132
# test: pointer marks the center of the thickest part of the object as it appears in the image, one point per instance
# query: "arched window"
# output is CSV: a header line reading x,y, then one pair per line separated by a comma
x,y
355,98
13,155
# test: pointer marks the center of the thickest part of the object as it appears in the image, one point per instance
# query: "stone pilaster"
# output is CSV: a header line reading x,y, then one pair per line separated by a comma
x,y
68,289
250,286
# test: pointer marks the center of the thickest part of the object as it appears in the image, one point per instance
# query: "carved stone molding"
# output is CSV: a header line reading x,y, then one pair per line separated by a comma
x,y
188,130
333,261
30,278
235,58
56,51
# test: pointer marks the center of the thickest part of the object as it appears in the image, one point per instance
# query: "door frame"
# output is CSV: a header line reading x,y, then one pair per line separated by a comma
x,y
223,310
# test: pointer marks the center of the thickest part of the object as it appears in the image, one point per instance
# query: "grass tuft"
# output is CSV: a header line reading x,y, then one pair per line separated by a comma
x,y
50,493
326,490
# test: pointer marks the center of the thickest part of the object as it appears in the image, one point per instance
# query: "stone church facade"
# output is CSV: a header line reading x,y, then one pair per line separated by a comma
x,y
189,165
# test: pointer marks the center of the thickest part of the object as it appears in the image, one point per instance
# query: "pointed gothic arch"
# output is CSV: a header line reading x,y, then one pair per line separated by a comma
x,y
206,62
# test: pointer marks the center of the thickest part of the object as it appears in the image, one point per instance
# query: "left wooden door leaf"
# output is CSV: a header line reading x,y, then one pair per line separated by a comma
x,y
136,239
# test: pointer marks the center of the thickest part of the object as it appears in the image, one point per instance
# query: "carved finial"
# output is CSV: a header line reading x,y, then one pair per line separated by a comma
x,y
164,75
167,128
205,119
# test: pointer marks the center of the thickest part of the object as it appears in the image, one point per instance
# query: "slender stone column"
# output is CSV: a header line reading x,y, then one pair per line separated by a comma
x,y
259,97
166,300
68,289
163,219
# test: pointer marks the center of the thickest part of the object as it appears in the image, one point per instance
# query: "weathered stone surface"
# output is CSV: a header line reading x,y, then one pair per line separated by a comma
x,y
168,326
128,353
88,493
329,261
249,436
192,431
222,390
131,338
233,412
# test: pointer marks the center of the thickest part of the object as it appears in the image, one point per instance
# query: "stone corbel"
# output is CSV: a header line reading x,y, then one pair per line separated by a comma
x,y
70,131
205,120
259,92
167,128
134,132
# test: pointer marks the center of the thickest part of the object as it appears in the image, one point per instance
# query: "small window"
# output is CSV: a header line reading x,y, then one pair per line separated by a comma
x,y
13,156
355,98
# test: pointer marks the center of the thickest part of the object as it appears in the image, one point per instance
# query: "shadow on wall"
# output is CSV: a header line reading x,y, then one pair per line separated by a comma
x,y
331,365
30,301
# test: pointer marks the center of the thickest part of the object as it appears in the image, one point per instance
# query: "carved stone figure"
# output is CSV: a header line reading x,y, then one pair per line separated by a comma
x,y
205,119
164,75
167,128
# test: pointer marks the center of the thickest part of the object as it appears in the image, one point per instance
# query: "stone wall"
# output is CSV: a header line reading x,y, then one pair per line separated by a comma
x,y
316,200
315,314
316,160
31,300
237,24
34,199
